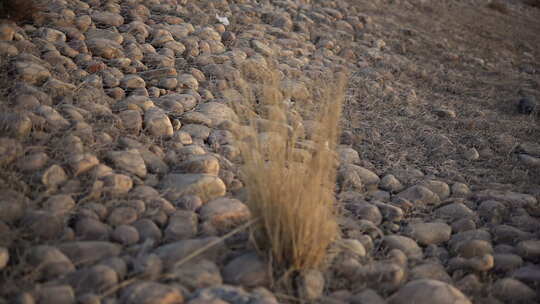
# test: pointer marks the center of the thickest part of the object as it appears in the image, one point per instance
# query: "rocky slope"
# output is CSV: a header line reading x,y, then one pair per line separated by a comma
x,y
119,163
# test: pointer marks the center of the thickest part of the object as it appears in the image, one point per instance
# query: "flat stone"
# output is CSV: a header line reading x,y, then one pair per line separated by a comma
x,y
454,211
310,284
438,187
117,184
130,161
432,271
182,225
198,274
50,262
206,186
381,276
420,196
225,213
429,233
157,123
150,293
94,279
507,262
175,252
246,270
405,244
391,183
512,290
529,250
32,73
206,164
427,291
528,273
88,252
59,294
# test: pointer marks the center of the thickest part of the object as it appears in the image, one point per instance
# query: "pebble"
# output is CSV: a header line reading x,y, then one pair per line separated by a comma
x,y
391,183
420,196
405,244
88,252
429,233
311,284
529,250
198,274
247,270
454,211
205,186
4,257
512,290
59,294
147,292
182,225
427,291
174,252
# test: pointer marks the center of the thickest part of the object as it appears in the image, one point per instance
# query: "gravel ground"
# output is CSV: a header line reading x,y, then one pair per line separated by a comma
x,y
119,164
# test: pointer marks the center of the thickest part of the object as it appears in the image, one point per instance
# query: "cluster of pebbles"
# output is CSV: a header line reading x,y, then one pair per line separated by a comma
x,y
119,166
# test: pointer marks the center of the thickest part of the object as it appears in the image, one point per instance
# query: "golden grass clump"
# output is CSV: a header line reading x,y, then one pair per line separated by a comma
x,y
292,196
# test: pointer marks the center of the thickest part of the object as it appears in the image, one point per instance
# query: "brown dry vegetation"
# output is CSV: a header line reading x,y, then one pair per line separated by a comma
x,y
293,196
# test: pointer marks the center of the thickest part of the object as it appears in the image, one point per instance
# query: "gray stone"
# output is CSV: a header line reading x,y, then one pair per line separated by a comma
x,y
157,123
117,184
125,235
130,161
174,253
514,291
182,225
438,187
391,183
89,229
150,293
429,233
88,252
454,211
59,294
428,291
432,271
97,278
310,284
206,164
4,257
246,270
368,296
529,250
420,196
198,274
507,262
225,213
206,186
405,244
148,230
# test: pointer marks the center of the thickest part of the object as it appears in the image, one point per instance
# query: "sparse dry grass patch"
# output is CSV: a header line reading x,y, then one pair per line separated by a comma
x,y
292,196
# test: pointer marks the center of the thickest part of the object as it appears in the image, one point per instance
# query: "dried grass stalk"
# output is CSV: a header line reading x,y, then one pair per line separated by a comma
x,y
294,200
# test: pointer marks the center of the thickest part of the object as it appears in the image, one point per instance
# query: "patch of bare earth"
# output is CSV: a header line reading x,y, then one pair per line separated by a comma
x,y
472,59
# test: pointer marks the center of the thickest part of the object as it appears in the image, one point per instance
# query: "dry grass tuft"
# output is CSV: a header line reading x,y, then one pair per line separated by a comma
x,y
19,10
292,196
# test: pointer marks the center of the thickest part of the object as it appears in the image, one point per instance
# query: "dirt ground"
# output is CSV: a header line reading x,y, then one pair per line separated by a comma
x,y
469,57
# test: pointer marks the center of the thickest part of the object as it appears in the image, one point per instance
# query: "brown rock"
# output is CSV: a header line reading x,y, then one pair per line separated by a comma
x,y
150,293
247,270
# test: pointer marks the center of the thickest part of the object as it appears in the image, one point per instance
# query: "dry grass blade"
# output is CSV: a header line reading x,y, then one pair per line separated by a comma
x,y
293,198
